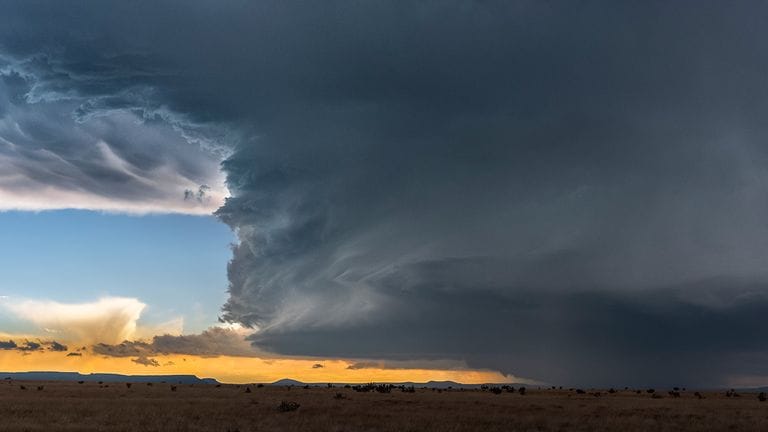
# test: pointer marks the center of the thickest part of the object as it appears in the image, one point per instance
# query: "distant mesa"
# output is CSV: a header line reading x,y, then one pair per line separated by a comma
x,y
104,377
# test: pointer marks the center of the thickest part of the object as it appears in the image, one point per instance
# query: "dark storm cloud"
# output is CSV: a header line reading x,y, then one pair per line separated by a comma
x,y
71,137
568,191
213,342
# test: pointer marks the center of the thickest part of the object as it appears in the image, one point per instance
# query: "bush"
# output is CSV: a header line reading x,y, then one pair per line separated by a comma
x,y
580,391
762,397
521,390
339,396
495,390
364,388
288,406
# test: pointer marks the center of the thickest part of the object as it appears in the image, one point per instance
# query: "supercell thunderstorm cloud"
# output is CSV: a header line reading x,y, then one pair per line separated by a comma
x,y
573,192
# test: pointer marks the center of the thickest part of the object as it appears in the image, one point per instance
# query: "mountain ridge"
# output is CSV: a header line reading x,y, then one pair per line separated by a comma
x,y
104,377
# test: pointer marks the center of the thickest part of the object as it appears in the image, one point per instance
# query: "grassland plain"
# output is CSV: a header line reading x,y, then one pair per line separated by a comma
x,y
69,406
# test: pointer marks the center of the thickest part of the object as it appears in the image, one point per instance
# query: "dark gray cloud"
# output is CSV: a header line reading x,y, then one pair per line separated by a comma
x,y
146,361
98,139
55,346
567,191
8,345
213,342
29,346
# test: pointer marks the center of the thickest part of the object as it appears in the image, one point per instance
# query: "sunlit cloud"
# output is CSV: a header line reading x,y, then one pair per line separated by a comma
x,y
108,320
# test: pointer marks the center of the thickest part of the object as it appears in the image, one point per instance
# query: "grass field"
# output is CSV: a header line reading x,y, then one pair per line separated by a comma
x,y
94,407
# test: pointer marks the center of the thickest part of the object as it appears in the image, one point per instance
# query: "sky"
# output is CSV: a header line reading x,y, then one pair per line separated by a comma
x,y
559,192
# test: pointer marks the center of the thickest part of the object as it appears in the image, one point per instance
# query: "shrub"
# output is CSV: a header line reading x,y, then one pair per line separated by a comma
x,y
495,390
651,391
40,388
521,390
364,388
128,385
339,396
247,389
259,385
580,391
173,388
762,397
288,406
698,395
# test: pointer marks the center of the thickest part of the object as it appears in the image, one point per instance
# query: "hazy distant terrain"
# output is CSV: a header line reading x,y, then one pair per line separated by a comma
x,y
104,377
90,406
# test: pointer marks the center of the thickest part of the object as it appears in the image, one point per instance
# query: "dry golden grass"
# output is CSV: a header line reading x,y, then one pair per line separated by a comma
x,y
91,407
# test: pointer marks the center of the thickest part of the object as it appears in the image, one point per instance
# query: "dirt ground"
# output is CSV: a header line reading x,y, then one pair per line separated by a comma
x,y
116,407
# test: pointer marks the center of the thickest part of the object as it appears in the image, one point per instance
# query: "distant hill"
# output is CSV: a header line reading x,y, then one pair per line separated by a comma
x,y
105,377
290,382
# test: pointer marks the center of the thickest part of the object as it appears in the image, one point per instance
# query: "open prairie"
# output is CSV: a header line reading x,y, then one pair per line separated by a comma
x,y
142,407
